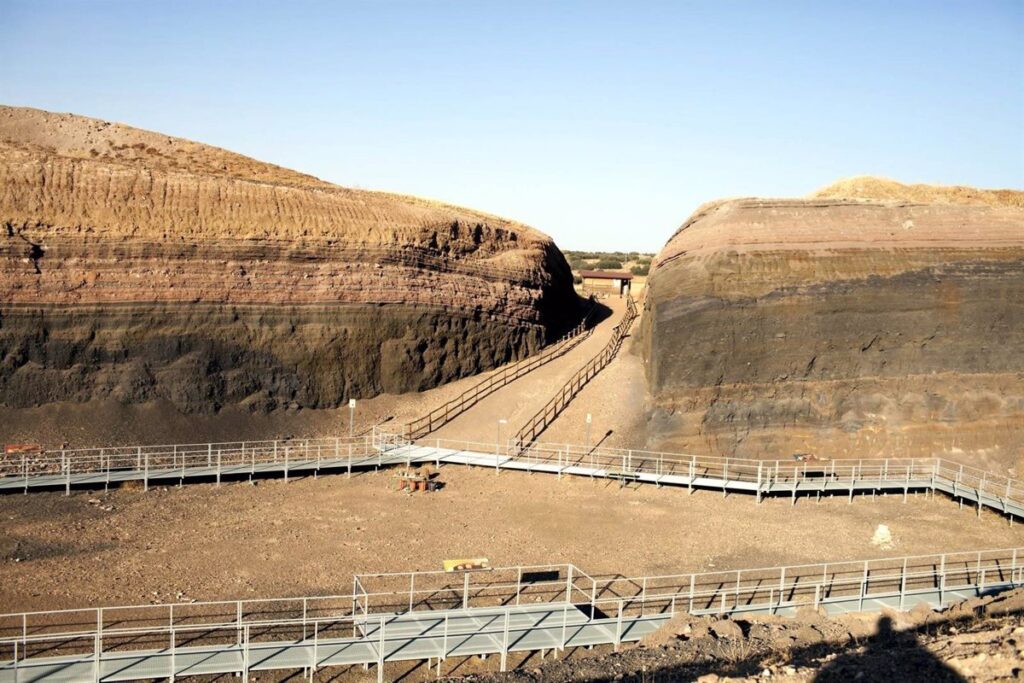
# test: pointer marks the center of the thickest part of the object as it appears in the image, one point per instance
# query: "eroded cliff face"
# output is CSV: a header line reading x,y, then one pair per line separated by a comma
x,y
137,267
840,328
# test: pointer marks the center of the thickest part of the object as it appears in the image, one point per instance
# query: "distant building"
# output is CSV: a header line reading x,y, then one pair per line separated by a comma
x,y
606,281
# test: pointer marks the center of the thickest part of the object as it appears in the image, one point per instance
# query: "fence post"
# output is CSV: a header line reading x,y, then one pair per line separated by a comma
x,y
245,655
504,645
67,473
219,458
942,578
759,463
444,641
380,652
618,628
316,656
465,590
286,464
903,582
863,586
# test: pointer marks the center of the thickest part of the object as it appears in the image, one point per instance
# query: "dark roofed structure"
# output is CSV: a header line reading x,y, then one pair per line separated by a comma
x,y
606,275
606,281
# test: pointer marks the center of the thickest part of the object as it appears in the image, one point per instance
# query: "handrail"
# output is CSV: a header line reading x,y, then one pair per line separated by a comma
x,y
853,583
543,418
451,409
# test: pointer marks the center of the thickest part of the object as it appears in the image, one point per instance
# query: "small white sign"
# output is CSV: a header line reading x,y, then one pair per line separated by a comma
x,y
351,403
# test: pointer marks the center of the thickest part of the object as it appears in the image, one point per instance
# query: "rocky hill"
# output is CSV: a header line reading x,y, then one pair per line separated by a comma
x,y
850,327
871,188
136,266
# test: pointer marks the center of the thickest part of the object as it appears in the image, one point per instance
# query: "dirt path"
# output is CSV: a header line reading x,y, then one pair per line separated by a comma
x,y
520,400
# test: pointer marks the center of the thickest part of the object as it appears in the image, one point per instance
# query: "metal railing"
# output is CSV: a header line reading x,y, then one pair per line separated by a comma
x,y
759,477
443,414
546,415
444,601
103,466
168,461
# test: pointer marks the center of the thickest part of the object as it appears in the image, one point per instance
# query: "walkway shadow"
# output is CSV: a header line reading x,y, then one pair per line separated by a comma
x,y
890,655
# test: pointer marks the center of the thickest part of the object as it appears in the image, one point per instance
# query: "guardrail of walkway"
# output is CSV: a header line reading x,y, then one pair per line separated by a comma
x,y
443,414
762,476
170,460
546,415
120,633
102,466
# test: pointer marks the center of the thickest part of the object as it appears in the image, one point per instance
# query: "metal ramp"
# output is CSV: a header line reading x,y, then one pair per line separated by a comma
x,y
496,612
758,477
387,638
176,464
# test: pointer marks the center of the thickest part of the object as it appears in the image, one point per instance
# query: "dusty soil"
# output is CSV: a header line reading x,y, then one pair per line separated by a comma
x,y
310,535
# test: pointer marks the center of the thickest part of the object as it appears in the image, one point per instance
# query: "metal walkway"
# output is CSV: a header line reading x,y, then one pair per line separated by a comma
x,y
759,478
435,615
176,464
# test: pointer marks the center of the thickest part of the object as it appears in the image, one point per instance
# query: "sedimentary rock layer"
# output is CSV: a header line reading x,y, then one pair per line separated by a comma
x,y
839,328
138,266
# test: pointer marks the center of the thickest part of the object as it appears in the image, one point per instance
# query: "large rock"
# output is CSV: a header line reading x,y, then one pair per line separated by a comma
x,y
137,266
841,327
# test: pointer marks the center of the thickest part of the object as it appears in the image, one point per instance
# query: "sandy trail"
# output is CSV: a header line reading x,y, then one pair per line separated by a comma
x,y
519,401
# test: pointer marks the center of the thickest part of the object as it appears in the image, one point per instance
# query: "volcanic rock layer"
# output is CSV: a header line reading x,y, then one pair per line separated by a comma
x,y
839,328
137,266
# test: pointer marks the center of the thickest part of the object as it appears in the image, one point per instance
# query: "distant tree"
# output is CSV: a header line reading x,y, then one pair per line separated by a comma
x,y
609,264
641,270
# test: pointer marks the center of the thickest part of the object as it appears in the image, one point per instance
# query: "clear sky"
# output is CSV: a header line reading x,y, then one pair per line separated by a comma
x,y
602,124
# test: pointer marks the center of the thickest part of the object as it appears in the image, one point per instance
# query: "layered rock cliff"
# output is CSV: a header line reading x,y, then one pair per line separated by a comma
x,y
841,327
136,266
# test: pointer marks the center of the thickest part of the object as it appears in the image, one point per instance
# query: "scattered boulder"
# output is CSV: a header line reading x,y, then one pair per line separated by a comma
x,y
726,628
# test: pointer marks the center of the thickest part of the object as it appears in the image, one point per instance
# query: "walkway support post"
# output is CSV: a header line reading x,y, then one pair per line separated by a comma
x,y
504,645
380,652
618,628
759,463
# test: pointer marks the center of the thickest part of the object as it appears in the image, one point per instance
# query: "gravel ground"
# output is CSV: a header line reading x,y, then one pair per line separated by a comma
x,y
309,536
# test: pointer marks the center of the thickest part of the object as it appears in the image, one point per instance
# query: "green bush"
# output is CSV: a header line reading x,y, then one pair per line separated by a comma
x,y
641,270
608,264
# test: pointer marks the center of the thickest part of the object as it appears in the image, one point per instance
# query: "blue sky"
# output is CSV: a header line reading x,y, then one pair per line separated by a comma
x,y
602,124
